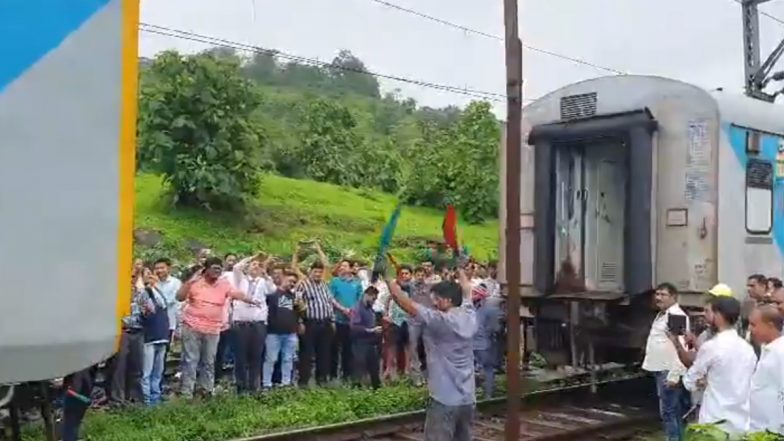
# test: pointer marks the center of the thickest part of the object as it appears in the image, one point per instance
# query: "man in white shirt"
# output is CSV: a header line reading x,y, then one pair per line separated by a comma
x,y
249,322
724,366
767,383
661,359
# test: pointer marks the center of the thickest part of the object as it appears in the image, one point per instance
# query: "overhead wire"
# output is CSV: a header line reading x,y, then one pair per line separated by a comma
x,y
221,42
497,37
766,14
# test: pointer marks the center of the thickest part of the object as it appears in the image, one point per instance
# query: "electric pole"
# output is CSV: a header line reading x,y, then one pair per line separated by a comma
x,y
514,100
758,73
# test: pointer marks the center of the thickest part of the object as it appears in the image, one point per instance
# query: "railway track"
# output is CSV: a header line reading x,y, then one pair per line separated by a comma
x,y
619,410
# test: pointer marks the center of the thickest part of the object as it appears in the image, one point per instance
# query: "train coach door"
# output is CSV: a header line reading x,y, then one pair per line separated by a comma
x,y
569,206
609,187
605,200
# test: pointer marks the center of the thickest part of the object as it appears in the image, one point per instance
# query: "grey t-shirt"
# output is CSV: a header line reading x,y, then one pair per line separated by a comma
x,y
448,338
488,318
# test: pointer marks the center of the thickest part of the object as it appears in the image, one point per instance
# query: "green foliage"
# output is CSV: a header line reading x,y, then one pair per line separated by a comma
x,y
195,128
209,130
712,432
328,143
346,73
459,165
347,221
231,417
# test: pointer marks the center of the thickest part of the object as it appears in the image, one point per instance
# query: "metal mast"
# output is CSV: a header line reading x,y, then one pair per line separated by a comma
x,y
514,100
757,73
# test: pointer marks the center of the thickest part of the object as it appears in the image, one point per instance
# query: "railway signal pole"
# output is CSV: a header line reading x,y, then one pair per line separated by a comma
x,y
514,97
757,73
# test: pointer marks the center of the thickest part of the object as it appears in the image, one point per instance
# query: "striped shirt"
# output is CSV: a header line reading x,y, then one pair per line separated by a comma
x,y
134,319
318,299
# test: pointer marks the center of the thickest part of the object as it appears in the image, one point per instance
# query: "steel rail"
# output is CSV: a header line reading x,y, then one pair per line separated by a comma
x,y
387,424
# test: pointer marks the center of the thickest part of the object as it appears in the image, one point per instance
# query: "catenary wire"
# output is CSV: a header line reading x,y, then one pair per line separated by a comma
x,y
497,37
191,36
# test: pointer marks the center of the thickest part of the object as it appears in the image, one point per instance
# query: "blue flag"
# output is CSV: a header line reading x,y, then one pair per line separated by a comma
x,y
386,239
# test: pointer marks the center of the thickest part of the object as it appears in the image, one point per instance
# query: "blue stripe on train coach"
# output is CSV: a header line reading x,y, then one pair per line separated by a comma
x,y
30,29
769,146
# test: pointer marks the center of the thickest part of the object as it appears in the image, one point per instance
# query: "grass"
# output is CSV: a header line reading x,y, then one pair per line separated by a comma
x,y
347,221
229,416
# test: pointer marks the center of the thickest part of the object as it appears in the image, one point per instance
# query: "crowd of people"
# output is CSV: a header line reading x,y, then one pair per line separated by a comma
x,y
731,373
279,326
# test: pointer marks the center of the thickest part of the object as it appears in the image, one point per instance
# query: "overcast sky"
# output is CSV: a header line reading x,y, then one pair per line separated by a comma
x,y
699,41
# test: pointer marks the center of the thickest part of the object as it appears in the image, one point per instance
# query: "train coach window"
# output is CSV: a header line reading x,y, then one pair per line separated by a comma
x,y
752,142
759,196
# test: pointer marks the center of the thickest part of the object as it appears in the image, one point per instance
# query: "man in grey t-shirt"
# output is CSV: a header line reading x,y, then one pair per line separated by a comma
x,y
448,332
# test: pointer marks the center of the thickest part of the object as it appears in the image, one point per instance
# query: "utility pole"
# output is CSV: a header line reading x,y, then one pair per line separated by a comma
x,y
757,74
514,100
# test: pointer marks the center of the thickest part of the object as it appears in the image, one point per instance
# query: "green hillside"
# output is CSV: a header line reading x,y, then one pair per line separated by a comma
x,y
348,221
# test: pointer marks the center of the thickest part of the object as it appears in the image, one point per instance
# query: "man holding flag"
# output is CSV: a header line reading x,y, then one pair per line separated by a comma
x,y
448,332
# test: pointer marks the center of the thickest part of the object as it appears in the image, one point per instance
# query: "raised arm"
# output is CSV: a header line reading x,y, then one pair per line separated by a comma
x,y
295,263
323,258
685,356
238,271
403,301
465,285
184,292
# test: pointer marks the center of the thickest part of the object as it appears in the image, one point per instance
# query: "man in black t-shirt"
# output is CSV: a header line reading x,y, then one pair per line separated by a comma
x,y
283,323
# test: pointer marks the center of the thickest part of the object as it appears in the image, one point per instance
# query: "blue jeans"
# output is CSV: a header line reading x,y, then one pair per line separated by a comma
x,y
485,360
283,345
152,372
672,406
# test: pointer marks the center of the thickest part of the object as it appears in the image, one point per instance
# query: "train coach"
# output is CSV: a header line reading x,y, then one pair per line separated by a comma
x,y
629,181
67,129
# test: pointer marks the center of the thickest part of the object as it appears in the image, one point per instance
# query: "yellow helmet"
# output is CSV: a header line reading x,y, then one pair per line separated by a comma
x,y
721,290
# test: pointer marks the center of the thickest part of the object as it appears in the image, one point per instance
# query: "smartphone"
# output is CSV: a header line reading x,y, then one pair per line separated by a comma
x,y
676,324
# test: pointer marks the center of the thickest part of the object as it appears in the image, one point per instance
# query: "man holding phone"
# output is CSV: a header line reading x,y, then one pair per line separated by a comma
x,y
661,359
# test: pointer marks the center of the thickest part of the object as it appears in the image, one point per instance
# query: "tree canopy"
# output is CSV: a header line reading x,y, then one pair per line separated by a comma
x,y
210,122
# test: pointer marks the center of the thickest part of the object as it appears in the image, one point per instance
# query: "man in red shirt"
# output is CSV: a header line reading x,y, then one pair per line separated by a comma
x,y
207,296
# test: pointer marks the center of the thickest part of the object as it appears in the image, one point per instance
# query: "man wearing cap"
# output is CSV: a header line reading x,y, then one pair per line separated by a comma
x,y
448,332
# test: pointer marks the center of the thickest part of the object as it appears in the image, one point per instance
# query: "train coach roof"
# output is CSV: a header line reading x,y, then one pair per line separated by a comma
x,y
618,93
749,112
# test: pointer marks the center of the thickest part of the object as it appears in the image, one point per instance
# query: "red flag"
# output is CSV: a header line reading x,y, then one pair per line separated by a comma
x,y
449,228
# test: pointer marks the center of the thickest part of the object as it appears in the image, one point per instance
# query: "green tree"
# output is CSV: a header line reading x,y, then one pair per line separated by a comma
x,y
476,141
195,128
378,165
347,72
459,165
263,68
328,142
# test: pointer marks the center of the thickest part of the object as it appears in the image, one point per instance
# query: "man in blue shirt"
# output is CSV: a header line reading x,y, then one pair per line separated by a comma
x,y
168,286
448,333
366,337
488,316
346,292
155,326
